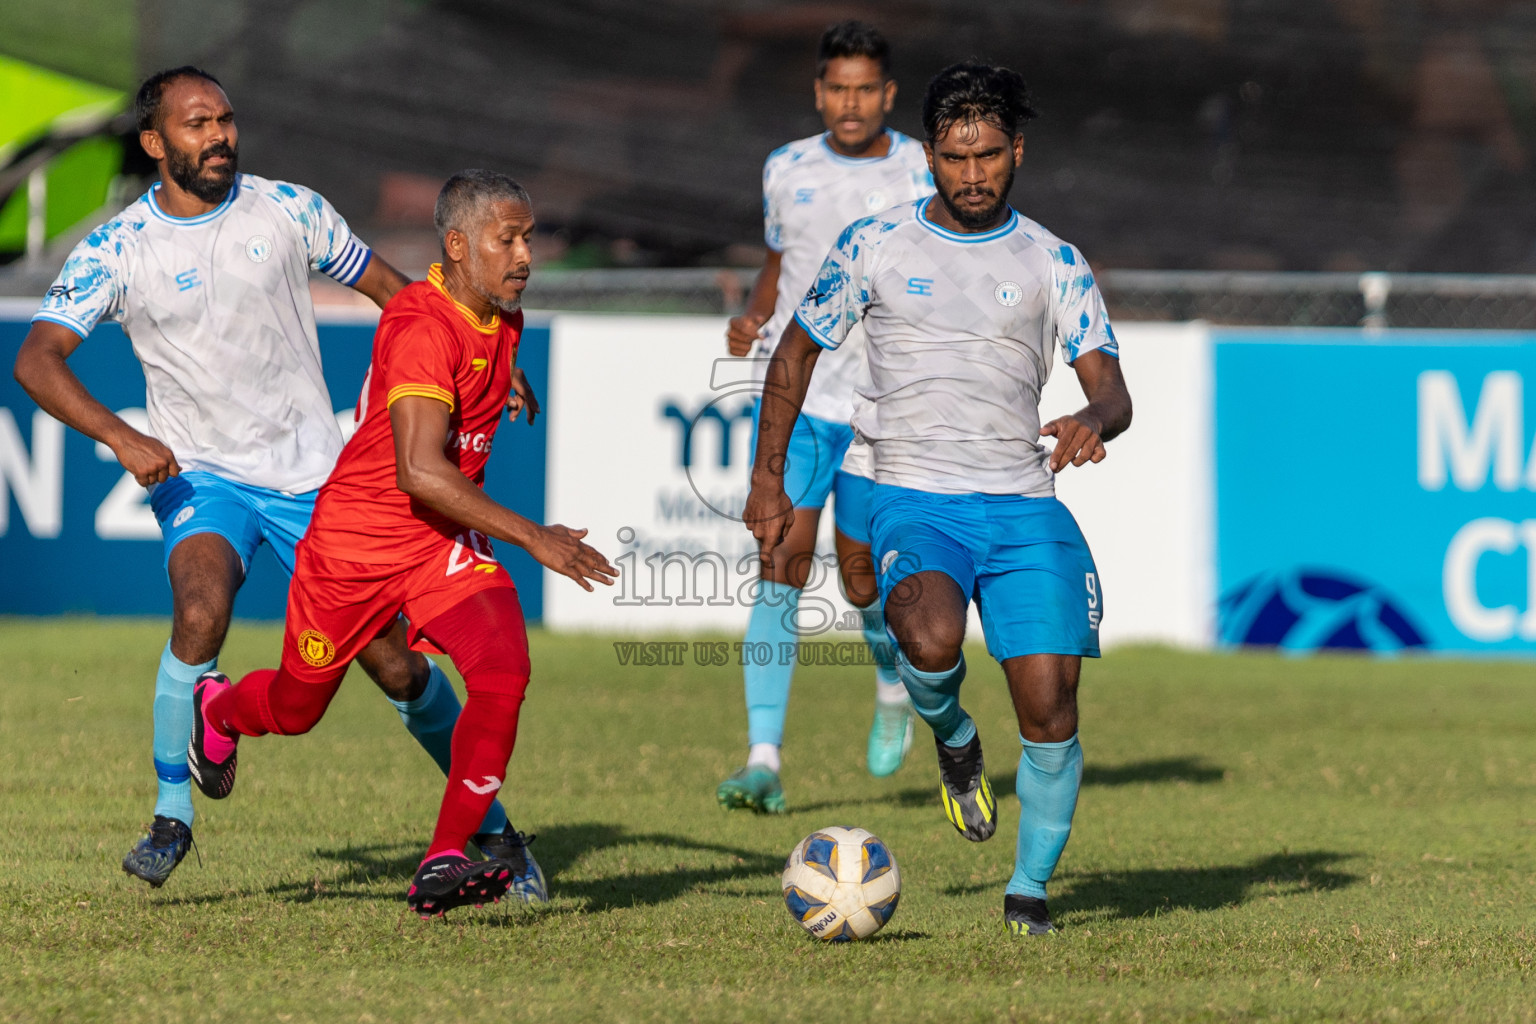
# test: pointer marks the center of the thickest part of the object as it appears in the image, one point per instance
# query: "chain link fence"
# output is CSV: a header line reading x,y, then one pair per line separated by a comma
x,y
1461,301
1485,302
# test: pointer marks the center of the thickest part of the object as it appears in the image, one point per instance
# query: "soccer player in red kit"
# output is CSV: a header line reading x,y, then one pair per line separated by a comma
x,y
402,527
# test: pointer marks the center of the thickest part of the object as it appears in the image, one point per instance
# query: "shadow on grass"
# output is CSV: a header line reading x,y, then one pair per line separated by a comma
x,y
1168,769
1158,890
363,869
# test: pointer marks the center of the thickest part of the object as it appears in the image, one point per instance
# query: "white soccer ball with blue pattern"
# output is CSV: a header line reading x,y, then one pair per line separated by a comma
x,y
841,884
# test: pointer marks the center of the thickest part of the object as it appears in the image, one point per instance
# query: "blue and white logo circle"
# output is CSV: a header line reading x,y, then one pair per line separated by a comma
x,y
875,200
183,516
1009,294
258,249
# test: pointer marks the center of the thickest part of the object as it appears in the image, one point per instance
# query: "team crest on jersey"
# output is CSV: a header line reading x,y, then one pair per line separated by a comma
x,y
1008,294
316,648
258,249
875,200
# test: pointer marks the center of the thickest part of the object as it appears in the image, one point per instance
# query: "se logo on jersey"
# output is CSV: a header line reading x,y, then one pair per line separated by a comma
x,y
258,249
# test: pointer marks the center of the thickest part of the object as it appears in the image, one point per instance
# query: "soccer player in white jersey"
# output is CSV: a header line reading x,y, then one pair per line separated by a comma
x,y
965,304
208,274
812,189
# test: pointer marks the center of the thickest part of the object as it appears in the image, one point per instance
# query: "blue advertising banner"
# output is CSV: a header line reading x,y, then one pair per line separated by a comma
x,y
1374,491
77,535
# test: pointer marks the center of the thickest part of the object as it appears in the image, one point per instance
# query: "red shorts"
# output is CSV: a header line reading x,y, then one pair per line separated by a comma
x,y
337,607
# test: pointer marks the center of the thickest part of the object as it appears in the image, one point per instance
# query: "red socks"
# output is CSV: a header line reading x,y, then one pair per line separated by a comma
x,y
488,642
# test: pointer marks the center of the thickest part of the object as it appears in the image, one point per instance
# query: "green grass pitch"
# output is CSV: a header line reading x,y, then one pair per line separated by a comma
x,y
1258,838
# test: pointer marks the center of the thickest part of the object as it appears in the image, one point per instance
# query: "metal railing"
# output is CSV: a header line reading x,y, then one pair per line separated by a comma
x,y
1460,301
1474,301
1488,302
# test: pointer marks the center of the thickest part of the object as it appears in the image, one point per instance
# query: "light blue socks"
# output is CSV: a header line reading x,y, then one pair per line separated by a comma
x,y
1050,775
431,718
173,729
936,698
765,668
880,645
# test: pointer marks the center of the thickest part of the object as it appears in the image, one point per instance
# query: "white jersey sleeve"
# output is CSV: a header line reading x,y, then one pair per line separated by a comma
x,y
1082,325
773,206
91,286
332,248
840,295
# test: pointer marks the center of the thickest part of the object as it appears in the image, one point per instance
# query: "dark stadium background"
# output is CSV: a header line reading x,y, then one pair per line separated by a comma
x,y
1192,134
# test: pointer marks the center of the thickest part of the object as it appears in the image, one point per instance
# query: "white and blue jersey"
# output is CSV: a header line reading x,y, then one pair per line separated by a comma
x,y
962,331
219,313
810,194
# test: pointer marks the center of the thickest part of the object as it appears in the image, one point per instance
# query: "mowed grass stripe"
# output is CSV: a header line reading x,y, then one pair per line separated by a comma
x,y
1258,838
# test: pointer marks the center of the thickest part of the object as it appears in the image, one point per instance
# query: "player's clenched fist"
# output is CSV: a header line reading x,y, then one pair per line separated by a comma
x,y
1077,442
768,514
560,548
147,459
742,333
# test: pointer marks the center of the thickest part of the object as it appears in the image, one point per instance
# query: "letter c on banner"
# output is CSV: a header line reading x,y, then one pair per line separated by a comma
x,y
1459,579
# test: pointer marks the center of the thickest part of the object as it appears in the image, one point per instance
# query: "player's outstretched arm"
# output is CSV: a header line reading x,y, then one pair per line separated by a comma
x,y
1080,437
42,372
769,511
424,472
741,333
380,281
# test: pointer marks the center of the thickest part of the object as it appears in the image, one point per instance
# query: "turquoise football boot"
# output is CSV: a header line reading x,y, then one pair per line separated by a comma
x,y
890,737
754,787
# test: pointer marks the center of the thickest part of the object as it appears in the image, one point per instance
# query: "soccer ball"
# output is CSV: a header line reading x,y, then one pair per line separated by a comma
x,y
841,884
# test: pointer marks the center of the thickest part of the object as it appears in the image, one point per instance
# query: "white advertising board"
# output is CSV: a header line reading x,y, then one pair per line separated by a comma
x,y
649,432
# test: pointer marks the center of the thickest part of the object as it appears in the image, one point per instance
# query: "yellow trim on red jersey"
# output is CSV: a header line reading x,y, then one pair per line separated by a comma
x,y
435,278
400,391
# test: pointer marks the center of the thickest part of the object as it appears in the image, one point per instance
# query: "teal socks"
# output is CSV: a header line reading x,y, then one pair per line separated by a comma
x,y
1050,775
173,730
936,698
767,671
431,718
880,643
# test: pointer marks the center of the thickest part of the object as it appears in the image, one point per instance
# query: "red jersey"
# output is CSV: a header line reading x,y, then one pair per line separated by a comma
x,y
431,345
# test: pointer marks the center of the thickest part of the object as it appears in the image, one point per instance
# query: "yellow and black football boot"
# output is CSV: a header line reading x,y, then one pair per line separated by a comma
x,y
968,800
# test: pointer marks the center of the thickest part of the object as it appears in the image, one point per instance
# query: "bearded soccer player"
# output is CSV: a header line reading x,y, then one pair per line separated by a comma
x,y
402,527
965,304
208,274
812,189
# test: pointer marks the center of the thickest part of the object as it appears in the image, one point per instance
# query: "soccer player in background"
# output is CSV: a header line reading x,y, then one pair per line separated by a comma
x,y
812,189
402,526
208,274
965,303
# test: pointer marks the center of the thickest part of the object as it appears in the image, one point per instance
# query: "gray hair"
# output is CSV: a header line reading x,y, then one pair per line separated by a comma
x,y
461,204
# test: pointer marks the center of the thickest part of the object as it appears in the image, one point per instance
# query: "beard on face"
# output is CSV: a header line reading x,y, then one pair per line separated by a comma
x,y
186,171
971,217
511,305
506,305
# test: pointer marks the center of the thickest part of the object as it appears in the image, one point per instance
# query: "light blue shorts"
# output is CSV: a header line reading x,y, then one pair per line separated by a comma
x,y
201,502
813,472
1022,560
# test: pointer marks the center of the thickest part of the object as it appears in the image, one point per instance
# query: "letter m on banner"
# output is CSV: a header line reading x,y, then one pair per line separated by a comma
x,y
1490,442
